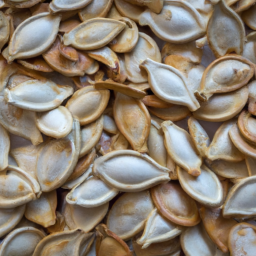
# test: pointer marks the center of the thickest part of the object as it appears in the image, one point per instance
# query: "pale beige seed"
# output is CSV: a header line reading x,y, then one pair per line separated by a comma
x,y
83,37
199,136
33,36
203,244
55,123
230,170
97,8
128,10
4,148
237,204
242,239
91,193
225,74
128,162
196,188
37,96
9,218
169,84
155,6
21,241
42,210
20,122
66,242
127,39
225,31
90,135
109,125
17,187
186,156
128,215
67,5
84,218
222,107
57,159
169,27
249,17
37,64
133,120
222,146
158,229
88,103
145,48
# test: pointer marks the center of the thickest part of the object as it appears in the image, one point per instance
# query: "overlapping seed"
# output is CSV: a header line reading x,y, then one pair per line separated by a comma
x,y
127,127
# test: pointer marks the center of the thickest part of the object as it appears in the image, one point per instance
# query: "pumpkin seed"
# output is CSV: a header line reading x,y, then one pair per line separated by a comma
x,y
127,162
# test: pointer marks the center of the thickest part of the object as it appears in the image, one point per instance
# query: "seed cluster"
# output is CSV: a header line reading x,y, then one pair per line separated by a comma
x,y
127,127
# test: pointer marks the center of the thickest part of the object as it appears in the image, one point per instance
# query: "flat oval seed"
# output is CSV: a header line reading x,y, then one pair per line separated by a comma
x,y
91,193
88,103
156,146
155,6
21,241
242,239
145,48
56,123
173,113
127,216
133,120
246,124
222,146
250,163
199,136
128,162
169,27
65,243
127,39
225,31
241,144
67,5
239,205
19,122
97,8
187,156
222,107
206,188
155,102
128,10
109,243
9,218
225,74
217,226
175,205
230,170
90,135
42,210
84,218
158,229
202,246
83,37
172,247
168,84
33,36
57,159
37,96
26,157
109,125
17,187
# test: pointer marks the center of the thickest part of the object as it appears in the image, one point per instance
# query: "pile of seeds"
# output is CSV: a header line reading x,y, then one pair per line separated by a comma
x,y
127,128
